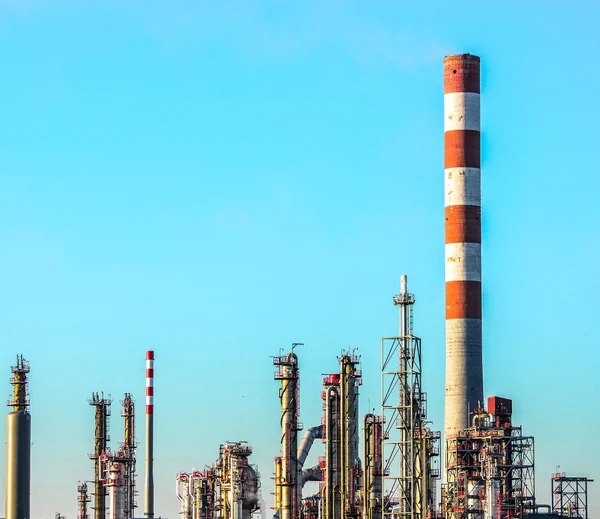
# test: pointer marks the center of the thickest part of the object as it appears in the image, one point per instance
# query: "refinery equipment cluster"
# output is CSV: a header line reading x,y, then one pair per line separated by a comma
x,y
229,488
488,463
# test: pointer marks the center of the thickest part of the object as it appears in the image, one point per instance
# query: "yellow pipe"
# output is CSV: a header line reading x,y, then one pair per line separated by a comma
x,y
277,483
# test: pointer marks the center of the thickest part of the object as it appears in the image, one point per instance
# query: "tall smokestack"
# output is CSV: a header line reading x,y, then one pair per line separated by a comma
x,y
464,370
18,445
149,497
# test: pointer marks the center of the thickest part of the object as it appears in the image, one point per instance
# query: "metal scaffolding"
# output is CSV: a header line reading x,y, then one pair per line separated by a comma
x,y
408,445
569,495
20,399
490,468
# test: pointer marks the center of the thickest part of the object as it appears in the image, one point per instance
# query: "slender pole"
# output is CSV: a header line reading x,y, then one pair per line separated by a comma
x,y
149,497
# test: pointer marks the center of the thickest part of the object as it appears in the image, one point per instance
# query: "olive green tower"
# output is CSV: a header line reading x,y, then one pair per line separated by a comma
x,y
18,445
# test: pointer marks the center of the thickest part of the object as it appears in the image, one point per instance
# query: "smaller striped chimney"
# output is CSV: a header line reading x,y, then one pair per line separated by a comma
x,y
149,495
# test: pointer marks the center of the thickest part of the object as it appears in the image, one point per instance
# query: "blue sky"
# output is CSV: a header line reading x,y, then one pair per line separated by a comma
x,y
217,180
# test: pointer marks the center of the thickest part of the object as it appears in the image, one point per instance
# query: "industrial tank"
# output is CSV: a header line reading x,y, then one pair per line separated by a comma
x,y
250,491
18,465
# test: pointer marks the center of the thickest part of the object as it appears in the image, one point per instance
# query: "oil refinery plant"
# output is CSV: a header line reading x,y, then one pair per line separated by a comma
x,y
387,465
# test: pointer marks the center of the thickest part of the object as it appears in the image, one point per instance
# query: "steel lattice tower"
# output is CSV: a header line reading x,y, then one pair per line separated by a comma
x,y
406,440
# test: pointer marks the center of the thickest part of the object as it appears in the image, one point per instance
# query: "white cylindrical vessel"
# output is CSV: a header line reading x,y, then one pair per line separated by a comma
x,y
474,504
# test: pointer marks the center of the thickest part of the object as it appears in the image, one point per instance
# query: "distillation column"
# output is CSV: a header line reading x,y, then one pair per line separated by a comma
x,y
18,445
331,499
202,485
101,438
83,499
244,480
129,446
149,487
114,469
184,494
349,380
289,375
464,371
373,483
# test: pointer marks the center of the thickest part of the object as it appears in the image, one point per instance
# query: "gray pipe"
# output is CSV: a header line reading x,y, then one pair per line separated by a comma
x,y
311,474
308,439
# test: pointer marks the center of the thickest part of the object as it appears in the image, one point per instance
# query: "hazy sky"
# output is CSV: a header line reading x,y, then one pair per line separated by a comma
x,y
217,180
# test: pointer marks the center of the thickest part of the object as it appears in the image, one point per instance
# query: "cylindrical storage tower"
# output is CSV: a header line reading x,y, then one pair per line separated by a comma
x,y
464,370
18,462
289,436
187,504
116,496
349,380
149,487
333,476
373,487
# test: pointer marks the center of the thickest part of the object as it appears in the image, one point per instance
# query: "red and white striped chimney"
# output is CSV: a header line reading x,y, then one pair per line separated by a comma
x,y
149,487
149,382
464,363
